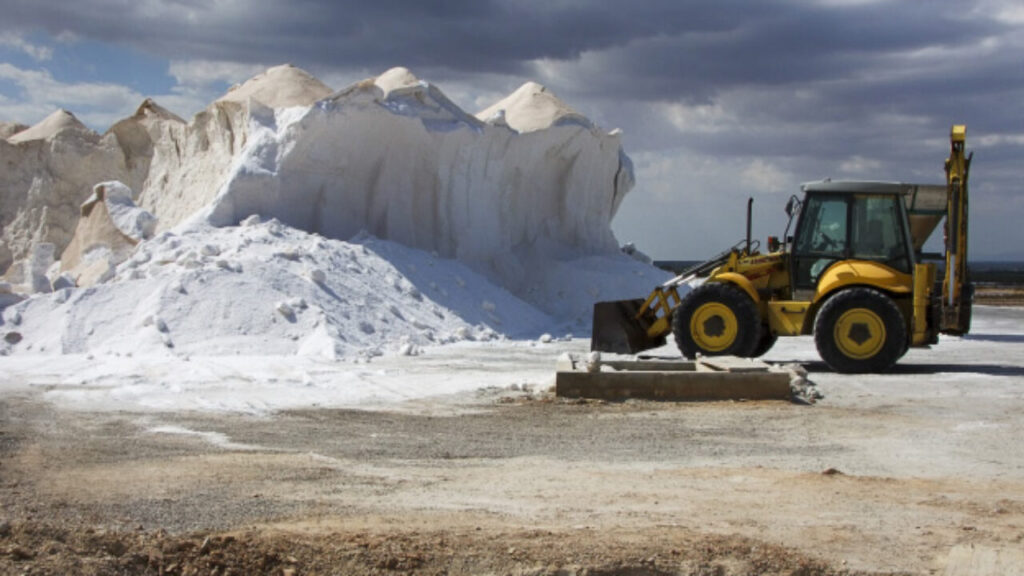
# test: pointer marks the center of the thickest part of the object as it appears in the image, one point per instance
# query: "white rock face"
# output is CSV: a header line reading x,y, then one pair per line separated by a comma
x,y
109,228
189,163
396,158
177,167
127,218
152,131
293,220
49,170
391,155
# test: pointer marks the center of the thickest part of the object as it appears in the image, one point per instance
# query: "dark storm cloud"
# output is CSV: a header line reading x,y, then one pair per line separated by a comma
x,y
789,44
653,50
801,86
492,35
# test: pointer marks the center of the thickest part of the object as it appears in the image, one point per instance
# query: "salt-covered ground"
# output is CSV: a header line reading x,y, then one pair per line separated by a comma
x,y
987,362
914,471
261,385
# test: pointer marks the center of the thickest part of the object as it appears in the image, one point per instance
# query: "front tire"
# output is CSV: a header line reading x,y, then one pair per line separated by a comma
x,y
716,319
860,330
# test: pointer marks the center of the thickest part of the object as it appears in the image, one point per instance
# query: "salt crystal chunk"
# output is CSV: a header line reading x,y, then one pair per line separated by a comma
x,y
284,309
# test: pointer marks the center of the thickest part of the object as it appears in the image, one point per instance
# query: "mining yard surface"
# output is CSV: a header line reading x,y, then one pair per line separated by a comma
x,y
920,471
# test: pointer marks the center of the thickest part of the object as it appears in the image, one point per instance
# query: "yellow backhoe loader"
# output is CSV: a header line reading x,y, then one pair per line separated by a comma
x,y
853,274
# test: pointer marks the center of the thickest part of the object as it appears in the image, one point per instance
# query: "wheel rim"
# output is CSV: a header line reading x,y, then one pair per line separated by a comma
x,y
713,326
859,333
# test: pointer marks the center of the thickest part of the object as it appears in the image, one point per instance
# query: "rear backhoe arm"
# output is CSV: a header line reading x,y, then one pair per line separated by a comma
x,y
957,291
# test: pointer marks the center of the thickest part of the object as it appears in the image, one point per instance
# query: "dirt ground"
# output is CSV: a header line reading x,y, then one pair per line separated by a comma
x,y
917,472
999,295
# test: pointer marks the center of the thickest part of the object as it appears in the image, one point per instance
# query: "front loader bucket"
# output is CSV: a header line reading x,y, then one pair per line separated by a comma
x,y
617,329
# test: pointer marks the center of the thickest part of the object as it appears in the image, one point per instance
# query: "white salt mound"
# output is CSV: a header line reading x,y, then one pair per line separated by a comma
x,y
279,87
287,219
52,125
532,107
395,79
397,158
376,297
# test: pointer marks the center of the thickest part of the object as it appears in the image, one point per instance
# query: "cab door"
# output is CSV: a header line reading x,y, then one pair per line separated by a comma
x,y
820,240
844,226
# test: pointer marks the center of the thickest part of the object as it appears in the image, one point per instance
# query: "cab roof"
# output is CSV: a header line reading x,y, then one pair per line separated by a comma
x,y
857,187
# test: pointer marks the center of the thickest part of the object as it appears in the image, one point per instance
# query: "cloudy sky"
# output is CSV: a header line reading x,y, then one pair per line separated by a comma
x,y
718,100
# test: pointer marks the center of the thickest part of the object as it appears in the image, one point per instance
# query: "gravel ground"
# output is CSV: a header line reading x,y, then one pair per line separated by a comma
x,y
919,471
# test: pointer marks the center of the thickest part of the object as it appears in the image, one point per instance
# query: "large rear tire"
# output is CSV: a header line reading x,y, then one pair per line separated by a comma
x,y
860,330
716,319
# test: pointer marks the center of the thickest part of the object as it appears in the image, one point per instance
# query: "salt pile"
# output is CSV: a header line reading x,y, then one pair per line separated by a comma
x,y
265,288
285,219
49,170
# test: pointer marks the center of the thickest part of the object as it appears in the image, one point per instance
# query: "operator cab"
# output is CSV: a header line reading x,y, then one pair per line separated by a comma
x,y
850,220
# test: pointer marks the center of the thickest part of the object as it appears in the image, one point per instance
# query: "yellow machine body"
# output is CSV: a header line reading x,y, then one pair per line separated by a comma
x,y
865,302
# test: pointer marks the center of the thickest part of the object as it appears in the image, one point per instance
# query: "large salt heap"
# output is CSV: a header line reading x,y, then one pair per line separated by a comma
x,y
289,219
393,156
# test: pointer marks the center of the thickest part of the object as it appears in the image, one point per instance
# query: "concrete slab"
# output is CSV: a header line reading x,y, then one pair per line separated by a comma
x,y
721,378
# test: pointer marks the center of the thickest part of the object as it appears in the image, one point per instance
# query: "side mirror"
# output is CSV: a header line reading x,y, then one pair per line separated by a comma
x,y
790,205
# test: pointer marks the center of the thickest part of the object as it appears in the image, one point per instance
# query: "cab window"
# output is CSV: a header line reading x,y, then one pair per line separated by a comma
x,y
848,226
822,238
876,231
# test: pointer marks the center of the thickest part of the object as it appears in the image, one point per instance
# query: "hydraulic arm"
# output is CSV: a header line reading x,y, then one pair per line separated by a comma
x,y
956,289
